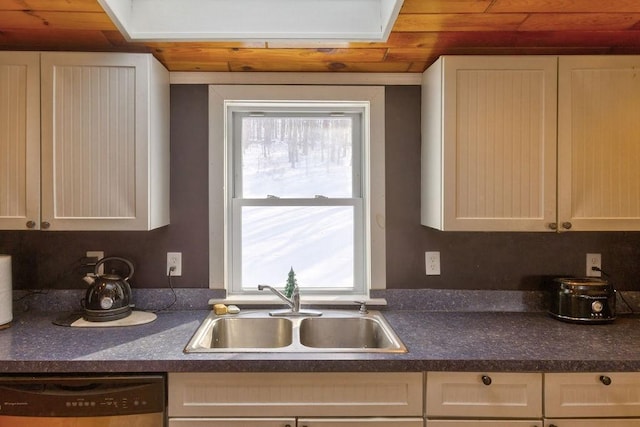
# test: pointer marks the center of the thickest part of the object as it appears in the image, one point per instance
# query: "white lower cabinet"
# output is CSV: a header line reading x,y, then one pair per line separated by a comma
x,y
232,422
295,399
600,422
357,422
404,399
470,399
484,423
592,399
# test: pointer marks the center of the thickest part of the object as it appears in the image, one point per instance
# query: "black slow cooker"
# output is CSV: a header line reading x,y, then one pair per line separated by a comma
x,y
582,300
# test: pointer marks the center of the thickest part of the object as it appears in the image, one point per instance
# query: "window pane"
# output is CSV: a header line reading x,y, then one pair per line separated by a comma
x,y
297,157
317,241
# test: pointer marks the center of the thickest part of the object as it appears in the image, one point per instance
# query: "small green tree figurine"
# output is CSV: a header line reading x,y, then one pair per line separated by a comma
x,y
291,283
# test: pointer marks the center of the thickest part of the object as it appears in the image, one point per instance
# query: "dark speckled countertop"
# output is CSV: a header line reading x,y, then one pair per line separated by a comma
x,y
437,340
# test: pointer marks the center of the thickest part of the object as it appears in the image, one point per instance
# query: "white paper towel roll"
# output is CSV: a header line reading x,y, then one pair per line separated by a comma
x,y
6,290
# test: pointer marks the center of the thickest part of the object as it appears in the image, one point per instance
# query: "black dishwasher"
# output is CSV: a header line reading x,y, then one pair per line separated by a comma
x,y
82,401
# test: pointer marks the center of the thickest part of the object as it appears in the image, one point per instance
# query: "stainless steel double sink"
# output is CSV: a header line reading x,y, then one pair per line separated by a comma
x,y
257,331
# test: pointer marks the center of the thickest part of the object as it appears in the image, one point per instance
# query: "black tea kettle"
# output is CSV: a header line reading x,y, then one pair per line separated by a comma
x,y
109,295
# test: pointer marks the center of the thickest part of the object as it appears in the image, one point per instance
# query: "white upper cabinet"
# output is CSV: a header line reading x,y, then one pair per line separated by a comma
x,y
599,142
19,140
489,143
105,142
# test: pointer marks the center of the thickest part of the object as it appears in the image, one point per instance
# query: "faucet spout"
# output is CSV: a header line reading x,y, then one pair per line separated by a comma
x,y
293,302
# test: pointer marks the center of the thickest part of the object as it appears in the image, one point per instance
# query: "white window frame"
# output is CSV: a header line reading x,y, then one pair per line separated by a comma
x,y
221,97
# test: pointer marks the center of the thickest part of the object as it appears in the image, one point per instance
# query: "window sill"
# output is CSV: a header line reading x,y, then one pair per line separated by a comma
x,y
259,300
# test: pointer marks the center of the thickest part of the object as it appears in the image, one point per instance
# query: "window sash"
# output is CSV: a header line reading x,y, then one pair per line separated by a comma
x,y
359,280
357,135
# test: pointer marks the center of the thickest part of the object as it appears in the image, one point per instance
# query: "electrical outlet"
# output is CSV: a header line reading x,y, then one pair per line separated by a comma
x,y
99,255
594,260
174,259
432,263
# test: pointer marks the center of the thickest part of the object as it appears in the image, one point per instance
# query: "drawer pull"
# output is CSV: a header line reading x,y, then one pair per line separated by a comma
x,y
486,380
605,380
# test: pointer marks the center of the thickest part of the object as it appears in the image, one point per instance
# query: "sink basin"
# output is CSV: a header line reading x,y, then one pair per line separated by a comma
x,y
355,332
257,331
244,332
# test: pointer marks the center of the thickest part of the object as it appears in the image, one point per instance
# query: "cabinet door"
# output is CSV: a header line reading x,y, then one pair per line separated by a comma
x,y
360,422
98,163
19,140
489,143
601,422
315,394
484,423
489,395
599,143
573,395
232,422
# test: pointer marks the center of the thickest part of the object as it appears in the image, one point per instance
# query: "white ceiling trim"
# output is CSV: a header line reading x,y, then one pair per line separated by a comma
x,y
200,20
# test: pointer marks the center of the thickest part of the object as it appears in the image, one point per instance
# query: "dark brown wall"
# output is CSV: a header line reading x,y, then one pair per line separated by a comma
x,y
469,260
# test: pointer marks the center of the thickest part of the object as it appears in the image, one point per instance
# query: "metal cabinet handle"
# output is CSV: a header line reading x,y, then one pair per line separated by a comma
x,y
605,380
45,225
566,225
553,226
486,380
31,224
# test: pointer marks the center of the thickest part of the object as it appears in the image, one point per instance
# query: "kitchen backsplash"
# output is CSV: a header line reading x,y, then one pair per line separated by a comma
x,y
483,261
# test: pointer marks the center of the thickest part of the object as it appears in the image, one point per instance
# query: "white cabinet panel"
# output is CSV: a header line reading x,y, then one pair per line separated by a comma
x,y
598,142
232,422
589,395
489,143
360,422
601,422
489,395
484,423
105,141
19,140
295,394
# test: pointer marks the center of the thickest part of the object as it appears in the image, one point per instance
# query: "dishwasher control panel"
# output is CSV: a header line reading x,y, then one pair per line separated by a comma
x,y
85,396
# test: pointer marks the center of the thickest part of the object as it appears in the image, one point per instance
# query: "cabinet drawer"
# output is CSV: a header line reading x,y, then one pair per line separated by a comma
x,y
593,423
232,422
295,394
484,423
484,395
360,422
587,395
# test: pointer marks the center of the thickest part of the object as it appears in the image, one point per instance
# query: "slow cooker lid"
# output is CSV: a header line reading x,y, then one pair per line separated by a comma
x,y
583,283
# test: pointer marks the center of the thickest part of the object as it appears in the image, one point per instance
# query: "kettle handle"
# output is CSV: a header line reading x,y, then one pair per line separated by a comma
x,y
115,258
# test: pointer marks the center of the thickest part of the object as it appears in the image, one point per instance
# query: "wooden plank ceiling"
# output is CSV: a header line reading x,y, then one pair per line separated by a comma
x,y
424,30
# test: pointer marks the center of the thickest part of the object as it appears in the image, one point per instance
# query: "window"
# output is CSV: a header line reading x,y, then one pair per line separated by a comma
x,y
296,198
297,192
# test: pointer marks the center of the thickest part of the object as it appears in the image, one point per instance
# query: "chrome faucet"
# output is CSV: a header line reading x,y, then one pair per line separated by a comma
x,y
293,303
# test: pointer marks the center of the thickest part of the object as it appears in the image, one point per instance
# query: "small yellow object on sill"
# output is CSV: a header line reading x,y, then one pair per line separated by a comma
x,y
220,309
